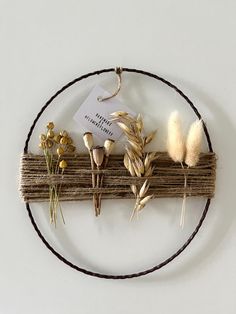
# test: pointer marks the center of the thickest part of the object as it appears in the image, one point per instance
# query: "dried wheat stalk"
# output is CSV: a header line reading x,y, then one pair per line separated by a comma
x,y
136,160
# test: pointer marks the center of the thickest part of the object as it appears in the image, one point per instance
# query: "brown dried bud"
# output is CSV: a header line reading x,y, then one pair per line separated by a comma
x,y
98,155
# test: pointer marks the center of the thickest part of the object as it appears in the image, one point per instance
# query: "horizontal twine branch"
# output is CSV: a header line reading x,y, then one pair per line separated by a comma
x,y
167,179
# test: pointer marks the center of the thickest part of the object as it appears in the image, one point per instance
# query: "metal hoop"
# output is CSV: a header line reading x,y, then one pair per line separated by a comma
x,y
206,208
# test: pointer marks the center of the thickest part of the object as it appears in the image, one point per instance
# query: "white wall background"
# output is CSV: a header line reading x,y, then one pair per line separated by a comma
x,y
44,44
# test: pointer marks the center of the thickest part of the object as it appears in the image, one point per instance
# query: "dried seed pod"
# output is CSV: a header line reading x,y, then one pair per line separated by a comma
x,y
50,125
98,155
131,168
149,171
64,140
145,200
57,138
137,170
60,151
140,207
126,161
42,137
193,143
139,123
136,147
150,157
175,142
139,164
130,153
63,164
108,145
69,140
42,145
144,189
149,137
49,143
70,148
88,140
134,189
64,133
119,114
50,133
124,127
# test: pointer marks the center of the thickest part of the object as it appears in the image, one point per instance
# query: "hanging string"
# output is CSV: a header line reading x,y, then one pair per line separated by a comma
x,y
118,71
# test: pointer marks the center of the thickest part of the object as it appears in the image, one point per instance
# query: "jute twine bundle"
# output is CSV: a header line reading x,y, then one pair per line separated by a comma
x,y
166,181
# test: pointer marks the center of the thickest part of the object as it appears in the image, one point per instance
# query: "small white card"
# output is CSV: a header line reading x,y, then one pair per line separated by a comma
x,y
94,115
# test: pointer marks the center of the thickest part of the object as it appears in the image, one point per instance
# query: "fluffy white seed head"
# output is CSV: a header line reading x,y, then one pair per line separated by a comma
x,y
175,141
193,143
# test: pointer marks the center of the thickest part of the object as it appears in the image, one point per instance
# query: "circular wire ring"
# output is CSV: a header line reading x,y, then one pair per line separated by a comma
x,y
207,204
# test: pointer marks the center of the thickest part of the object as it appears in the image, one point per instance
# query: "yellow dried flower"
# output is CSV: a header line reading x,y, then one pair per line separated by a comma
x,y
60,151
50,125
42,137
42,145
63,164
49,143
57,138
64,133
64,140
50,133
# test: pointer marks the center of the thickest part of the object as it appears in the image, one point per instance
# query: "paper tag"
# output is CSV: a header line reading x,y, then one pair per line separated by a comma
x,y
94,115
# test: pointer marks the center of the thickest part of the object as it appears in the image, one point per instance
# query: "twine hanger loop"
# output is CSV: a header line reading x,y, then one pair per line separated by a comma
x,y
118,71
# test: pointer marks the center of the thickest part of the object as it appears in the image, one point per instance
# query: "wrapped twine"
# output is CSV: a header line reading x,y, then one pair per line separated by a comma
x,y
76,184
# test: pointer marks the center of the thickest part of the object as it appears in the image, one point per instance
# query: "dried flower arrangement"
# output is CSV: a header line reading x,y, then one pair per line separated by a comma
x,y
164,175
136,160
99,156
60,144
141,165
182,151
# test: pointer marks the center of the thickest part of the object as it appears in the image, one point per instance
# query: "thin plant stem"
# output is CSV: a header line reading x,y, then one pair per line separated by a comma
x,y
183,210
93,180
101,182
